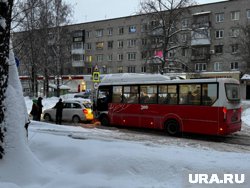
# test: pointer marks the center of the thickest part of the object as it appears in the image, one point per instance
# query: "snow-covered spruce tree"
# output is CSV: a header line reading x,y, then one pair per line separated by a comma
x,y
5,21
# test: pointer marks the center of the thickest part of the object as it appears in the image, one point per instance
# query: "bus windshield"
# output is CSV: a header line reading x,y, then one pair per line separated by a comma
x,y
233,92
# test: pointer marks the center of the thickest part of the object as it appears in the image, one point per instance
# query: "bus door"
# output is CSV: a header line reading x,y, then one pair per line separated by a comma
x,y
103,98
124,109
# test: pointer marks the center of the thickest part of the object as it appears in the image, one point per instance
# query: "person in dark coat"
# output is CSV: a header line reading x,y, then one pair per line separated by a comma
x,y
34,110
59,110
40,108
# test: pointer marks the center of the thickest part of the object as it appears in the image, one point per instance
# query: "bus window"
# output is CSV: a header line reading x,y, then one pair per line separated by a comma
x,y
190,94
148,94
117,94
209,94
167,94
233,92
131,94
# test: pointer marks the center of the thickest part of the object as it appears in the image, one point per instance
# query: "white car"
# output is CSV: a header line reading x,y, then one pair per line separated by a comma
x,y
73,110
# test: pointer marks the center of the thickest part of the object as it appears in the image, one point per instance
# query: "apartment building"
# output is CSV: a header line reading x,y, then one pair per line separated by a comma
x,y
118,45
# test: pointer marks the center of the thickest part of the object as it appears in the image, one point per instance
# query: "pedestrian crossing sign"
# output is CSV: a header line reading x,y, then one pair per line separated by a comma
x,y
96,77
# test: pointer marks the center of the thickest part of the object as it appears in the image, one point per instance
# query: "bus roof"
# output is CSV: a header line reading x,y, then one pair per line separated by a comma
x,y
134,78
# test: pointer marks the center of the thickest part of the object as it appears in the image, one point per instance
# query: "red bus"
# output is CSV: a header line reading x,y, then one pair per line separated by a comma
x,y
204,106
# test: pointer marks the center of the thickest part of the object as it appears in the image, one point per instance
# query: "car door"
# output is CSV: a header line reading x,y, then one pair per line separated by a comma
x,y
66,116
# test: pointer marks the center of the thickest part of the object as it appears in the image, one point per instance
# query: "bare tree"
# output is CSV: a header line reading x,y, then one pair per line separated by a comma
x,y
46,39
245,46
164,26
5,24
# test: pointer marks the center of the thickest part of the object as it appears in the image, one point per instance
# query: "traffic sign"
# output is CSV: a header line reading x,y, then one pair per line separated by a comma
x,y
96,85
96,69
96,77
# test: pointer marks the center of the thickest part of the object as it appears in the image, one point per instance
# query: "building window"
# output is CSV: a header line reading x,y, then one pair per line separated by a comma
x,y
99,33
184,23
235,15
110,44
131,43
88,34
120,69
89,47
121,30
77,57
78,36
144,42
235,48
110,31
218,49
217,66
155,23
184,37
132,29
89,70
99,57
88,58
234,66
77,45
120,43
144,27
171,53
248,14
131,56
219,17
120,57
219,34
110,57
183,52
200,67
99,45
131,69
143,69
234,32
104,69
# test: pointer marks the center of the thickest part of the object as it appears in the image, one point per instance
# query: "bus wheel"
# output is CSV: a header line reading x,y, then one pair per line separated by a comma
x,y
172,127
104,120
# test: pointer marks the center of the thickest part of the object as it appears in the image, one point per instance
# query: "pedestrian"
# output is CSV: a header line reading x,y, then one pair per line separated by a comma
x,y
59,111
40,108
34,110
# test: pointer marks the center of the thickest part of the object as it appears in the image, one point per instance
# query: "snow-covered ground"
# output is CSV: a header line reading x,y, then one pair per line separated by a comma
x,y
78,157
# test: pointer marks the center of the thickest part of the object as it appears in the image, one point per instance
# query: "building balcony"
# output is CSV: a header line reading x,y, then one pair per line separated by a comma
x,y
198,42
200,57
78,51
78,63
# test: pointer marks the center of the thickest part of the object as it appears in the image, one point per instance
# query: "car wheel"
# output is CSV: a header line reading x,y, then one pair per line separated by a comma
x,y
47,117
172,127
104,120
76,119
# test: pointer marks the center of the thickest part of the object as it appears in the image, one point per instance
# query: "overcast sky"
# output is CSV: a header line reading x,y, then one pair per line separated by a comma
x,y
93,10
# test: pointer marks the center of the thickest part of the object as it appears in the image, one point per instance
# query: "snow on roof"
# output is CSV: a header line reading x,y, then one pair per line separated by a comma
x,y
54,86
131,78
245,77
